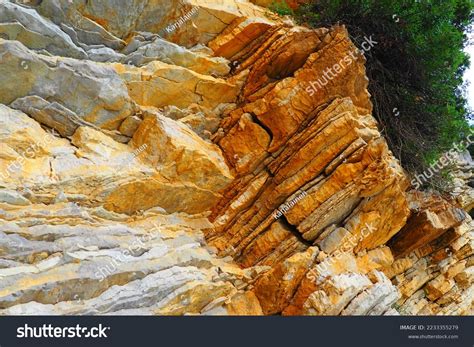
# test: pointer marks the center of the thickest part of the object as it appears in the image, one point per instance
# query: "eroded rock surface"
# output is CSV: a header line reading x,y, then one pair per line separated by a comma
x,y
170,158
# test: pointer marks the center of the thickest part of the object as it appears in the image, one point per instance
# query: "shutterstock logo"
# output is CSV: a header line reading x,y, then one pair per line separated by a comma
x,y
48,331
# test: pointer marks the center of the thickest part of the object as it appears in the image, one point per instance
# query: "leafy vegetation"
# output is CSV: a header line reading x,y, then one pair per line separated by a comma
x,y
281,7
415,70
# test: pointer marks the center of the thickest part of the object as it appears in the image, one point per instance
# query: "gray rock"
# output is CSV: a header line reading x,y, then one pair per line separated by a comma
x,y
130,125
171,53
52,114
58,117
82,30
35,32
376,299
14,198
92,91
105,54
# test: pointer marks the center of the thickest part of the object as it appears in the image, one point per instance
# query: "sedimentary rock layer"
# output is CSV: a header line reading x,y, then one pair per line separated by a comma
x,y
197,157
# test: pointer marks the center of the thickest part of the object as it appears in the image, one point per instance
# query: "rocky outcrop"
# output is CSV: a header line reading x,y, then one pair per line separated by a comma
x,y
166,158
463,181
93,92
432,216
436,277
36,32
318,158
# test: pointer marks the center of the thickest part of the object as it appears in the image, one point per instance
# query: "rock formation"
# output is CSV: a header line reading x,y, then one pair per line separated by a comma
x,y
170,158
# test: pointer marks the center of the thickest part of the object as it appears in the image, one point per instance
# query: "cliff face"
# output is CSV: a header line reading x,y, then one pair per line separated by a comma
x,y
198,158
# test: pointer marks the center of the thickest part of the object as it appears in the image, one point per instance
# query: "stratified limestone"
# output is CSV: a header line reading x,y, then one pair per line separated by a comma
x,y
352,294
354,272
186,23
111,173
159,84
35,32
147,266
328,164
179,154
463,180
276,287
94,92
173,54
144,173
432,217
435,278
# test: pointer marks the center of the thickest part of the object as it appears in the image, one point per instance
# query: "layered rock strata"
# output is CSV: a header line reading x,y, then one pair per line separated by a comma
x,y
168,158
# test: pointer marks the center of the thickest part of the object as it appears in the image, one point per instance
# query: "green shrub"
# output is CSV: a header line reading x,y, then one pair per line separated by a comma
x,y
281,7
416,67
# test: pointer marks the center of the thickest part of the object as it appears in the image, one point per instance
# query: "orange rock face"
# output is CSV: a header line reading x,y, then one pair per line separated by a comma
x,y
433,216
322,150
313,174
236,150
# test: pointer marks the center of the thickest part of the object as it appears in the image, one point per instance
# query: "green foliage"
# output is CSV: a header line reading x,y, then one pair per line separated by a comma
x,y
281,7
416,67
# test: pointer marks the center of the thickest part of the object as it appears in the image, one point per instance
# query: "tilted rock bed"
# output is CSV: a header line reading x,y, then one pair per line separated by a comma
x,y
170,158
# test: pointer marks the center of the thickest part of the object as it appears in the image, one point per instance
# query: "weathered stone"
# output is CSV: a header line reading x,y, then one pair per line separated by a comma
x,y
13,198
83,31
432,216
379,297
336,294
174,54
53,115
287,275
130,125
71,83
245,304
184,22
235,178
178,154
169,266
159,84
463,176
35,32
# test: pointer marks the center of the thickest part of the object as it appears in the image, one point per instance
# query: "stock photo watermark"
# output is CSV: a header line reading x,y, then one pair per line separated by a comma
x,y
182,20
345,248
333,71
29,153
288,206
138,244
446,160
129,158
